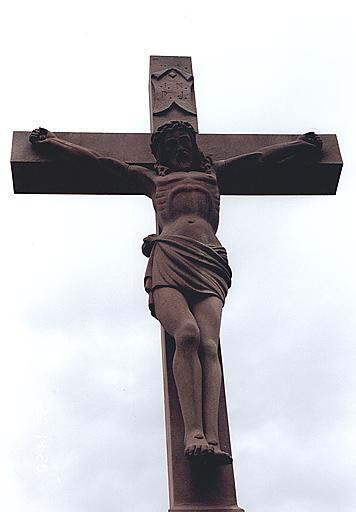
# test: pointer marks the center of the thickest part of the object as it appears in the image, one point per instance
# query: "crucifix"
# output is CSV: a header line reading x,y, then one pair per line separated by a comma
x,y
188,275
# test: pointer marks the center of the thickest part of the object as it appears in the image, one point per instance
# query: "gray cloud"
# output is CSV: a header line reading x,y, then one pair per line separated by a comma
x,y
81,387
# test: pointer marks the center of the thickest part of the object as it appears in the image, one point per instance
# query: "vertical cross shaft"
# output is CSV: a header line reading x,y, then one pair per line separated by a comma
x,y
191,488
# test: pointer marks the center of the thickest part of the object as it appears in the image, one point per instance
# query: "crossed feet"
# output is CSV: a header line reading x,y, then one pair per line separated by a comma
x,y
198,449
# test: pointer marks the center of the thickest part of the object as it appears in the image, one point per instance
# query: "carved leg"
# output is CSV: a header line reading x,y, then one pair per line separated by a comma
x,y
176,318
207,313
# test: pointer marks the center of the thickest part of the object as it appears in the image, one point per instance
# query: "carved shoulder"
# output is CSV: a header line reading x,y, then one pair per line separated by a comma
x,y
142,175
145,176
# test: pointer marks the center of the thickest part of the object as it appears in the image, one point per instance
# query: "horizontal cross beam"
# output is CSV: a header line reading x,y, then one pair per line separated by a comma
x,y
33,173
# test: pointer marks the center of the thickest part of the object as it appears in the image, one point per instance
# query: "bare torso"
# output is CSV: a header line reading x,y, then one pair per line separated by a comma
x,y
187,204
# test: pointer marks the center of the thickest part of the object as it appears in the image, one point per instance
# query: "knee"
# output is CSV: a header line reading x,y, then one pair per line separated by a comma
x,y
188,337
209,348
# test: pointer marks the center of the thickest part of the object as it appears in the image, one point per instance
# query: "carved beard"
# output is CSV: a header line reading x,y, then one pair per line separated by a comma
x,y
183,157
198,162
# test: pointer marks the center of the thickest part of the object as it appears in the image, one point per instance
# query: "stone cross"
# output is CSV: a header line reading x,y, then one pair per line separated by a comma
x,y
192,487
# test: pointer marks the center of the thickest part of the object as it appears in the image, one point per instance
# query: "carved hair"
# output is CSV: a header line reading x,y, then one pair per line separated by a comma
x,y
200,161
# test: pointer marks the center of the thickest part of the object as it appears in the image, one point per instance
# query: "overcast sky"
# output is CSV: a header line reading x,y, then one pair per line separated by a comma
x,y
82,425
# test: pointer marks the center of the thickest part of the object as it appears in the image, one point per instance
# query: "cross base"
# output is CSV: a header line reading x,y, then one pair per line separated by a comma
x,y
192,508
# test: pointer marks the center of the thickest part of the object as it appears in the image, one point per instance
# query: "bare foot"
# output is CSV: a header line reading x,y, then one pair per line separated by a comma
x,y
218,456
195,445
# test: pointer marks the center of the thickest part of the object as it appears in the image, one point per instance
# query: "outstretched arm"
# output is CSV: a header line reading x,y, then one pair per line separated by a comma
x,y
306,149
48,143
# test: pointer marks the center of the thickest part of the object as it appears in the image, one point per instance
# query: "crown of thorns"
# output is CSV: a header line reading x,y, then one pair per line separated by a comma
x,y
162,131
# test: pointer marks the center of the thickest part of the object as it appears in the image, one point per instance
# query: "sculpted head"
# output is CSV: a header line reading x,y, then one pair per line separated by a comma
x,y
175,149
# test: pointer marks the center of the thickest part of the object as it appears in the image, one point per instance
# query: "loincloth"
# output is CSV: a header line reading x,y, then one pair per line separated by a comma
x,y
193,268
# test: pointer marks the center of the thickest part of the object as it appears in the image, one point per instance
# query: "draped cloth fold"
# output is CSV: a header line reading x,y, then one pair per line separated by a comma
x,y
192,267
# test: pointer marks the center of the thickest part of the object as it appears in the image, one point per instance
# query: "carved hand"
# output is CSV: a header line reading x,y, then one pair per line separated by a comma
x,y
40,135
312,138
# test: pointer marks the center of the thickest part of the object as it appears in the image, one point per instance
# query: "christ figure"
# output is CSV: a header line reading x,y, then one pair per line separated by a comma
x,y
188,274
